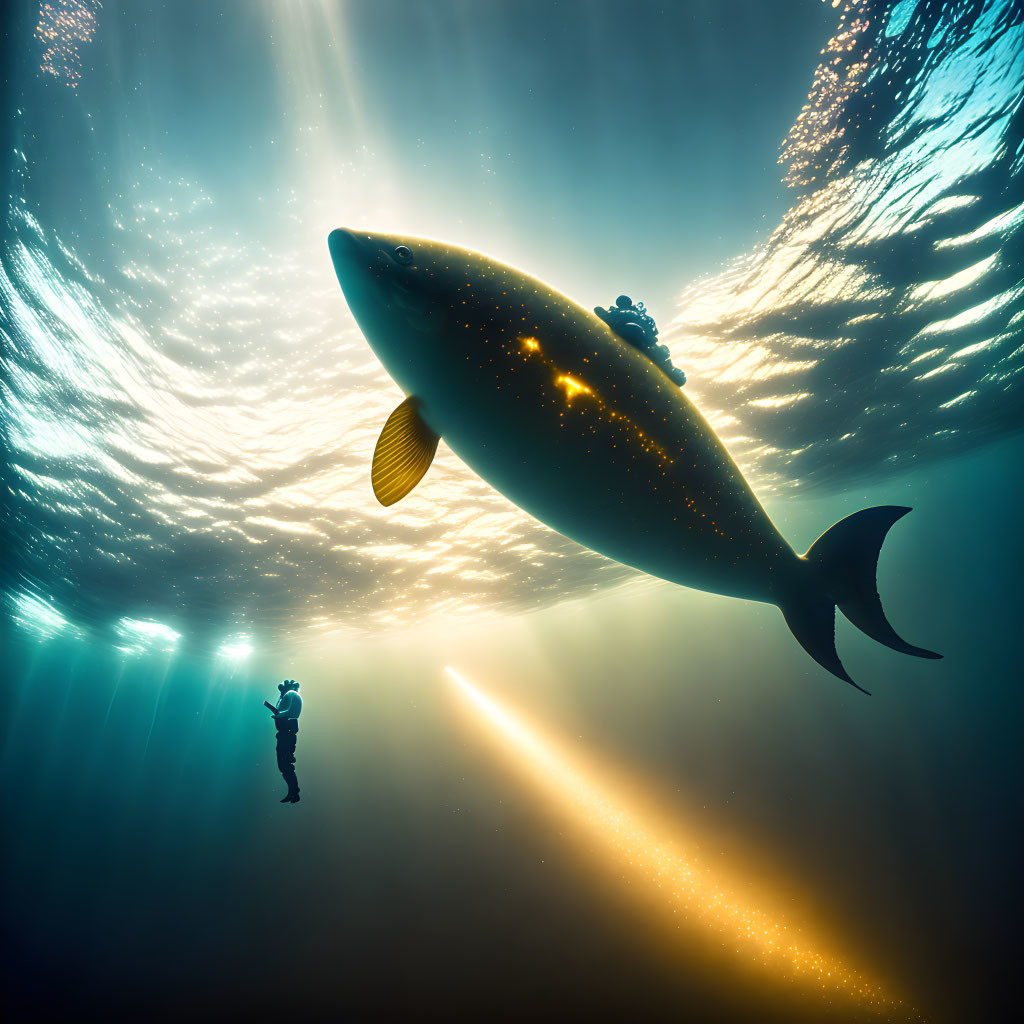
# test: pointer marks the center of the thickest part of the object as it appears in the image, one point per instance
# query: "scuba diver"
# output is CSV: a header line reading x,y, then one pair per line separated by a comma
x,y
286,717
634,324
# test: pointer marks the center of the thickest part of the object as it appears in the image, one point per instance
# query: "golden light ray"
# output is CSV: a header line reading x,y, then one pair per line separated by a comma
x,y
701,892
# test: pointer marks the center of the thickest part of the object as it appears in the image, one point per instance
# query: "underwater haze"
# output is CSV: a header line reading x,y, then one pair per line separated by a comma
x,y
637,794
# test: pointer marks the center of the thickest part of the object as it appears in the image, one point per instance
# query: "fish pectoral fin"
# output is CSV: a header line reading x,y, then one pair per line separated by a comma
x,y
404,452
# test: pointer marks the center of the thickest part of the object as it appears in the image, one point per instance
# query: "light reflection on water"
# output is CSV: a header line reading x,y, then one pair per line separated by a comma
x,y
189,421
232,463
880,324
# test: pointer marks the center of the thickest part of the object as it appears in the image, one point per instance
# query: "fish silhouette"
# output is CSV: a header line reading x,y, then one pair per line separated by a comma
x,y
584,431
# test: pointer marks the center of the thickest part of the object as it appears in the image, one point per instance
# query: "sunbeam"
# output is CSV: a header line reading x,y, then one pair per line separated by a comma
x,y
652,854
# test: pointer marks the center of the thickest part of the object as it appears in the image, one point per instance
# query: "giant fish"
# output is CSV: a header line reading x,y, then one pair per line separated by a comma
x,y
584,431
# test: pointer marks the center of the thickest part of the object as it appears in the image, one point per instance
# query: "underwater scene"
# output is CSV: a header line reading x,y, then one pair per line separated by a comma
x,y
511,509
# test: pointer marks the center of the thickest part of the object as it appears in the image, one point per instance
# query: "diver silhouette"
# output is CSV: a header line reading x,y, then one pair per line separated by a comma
x,y
631,322
286,718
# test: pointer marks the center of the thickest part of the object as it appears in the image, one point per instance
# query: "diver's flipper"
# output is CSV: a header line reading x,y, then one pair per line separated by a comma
x,y
812,621
847,556
404,451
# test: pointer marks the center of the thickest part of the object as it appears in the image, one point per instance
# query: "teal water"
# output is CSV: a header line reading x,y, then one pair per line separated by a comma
x,y
146,844
188,417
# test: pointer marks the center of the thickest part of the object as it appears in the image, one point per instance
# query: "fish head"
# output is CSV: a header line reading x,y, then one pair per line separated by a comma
x,y
401,292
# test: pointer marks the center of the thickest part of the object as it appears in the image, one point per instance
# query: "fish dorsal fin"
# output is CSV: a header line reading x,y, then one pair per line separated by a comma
x,y
404,452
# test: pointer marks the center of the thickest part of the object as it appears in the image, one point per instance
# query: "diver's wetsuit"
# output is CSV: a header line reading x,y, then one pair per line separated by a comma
x,y
287,722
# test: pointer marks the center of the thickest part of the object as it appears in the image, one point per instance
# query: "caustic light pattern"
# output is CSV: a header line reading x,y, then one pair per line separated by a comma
x,y
687,885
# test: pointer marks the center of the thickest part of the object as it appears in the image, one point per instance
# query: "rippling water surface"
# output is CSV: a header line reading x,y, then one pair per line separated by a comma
x,y
189,410
880,325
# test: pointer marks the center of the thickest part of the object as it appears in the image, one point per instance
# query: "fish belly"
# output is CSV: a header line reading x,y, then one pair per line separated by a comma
x,y
638,477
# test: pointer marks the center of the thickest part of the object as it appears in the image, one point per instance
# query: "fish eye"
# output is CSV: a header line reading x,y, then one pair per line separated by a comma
x,y
403,254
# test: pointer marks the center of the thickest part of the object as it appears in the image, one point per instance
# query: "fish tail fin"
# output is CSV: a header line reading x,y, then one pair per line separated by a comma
x,y
812,620
846,558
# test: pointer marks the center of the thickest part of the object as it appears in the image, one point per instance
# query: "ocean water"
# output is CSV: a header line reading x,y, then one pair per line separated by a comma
x,y
823,207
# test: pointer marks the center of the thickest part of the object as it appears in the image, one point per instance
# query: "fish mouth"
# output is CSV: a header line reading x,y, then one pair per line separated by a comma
x,y
371,289
359,260
358,264
348,253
